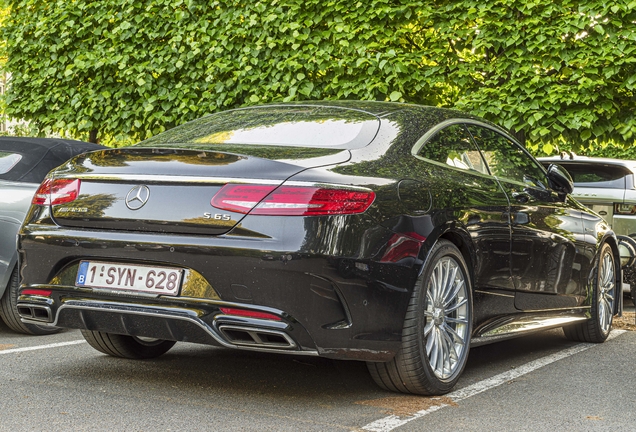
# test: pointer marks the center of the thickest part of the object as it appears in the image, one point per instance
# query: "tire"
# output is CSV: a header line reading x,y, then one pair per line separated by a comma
x,y
436,334
9,311
130,347
598,327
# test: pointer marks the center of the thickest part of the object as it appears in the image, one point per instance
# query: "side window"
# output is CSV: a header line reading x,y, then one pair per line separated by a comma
x,y
453,146
506,159
8,161
598,175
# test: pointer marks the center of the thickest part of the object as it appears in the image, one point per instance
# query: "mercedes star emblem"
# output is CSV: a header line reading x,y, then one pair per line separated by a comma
x,y
137,197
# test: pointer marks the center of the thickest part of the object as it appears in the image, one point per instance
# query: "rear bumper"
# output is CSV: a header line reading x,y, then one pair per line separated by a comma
x,y
178,324
334,301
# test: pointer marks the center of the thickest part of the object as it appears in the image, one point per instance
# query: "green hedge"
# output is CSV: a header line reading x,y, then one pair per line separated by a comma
x,y
135,68
128,69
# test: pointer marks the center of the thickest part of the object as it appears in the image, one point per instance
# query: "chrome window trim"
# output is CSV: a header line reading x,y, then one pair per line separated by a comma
x,y
468,121
432,131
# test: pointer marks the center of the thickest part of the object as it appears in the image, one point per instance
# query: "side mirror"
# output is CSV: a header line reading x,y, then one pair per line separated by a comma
x,y
560,179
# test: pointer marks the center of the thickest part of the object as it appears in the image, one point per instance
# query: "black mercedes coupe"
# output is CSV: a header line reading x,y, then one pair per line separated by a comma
x,y
399,235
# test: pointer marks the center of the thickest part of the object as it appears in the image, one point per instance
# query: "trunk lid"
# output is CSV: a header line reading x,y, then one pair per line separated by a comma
x,y
169,190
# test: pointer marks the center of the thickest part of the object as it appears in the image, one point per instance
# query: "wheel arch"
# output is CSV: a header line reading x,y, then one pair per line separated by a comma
x,y
462,240
6,277
411,370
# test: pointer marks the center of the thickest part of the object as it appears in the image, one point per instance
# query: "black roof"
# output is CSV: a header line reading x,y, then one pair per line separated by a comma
x,y
354,124
40,155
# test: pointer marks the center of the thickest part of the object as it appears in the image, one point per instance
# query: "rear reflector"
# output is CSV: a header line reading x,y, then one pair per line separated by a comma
x,y
250,314
37,292
400,247
58,191
291,200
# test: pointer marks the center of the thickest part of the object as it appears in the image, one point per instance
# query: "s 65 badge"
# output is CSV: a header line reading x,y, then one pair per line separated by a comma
x,y
217,216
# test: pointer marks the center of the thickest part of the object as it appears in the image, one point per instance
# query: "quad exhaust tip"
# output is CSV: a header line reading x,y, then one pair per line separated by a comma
x,y
35,312
256,337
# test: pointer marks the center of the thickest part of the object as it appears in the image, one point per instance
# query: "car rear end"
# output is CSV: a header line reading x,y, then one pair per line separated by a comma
x,y
216,247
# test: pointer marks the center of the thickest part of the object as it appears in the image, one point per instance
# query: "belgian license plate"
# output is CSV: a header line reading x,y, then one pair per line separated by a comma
x,y
141,278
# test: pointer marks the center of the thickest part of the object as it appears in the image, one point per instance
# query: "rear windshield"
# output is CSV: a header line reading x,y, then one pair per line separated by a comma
x,y
8,161
598,175
297,126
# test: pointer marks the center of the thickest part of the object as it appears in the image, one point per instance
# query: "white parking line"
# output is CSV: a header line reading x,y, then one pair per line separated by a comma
x,y
391,422
41,347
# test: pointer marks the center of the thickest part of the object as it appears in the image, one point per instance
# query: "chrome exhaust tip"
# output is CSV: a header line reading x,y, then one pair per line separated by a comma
x,y
256,337
35,312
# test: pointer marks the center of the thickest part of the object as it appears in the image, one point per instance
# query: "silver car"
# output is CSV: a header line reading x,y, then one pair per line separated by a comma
x,y
607,186
24,162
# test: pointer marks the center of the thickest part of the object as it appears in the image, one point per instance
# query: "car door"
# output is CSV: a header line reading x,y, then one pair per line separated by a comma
x,y
464,192
547,231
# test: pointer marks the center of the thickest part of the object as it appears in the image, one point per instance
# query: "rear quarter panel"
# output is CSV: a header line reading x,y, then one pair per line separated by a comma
x,y
15,199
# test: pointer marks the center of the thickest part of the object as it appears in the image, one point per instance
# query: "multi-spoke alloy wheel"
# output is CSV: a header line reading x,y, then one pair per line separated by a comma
x,y
437,328
606,295
446,329
602,297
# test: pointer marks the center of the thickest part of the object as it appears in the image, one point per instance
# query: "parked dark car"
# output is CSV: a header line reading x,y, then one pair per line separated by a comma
x,y
24,162
395,234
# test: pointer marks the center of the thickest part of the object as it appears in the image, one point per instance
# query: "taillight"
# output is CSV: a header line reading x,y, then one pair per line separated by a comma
x,y
624,209
240,198
58,191
291,200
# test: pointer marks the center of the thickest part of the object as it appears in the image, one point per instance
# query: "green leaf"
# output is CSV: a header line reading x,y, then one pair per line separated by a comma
x,y
395,96
586,134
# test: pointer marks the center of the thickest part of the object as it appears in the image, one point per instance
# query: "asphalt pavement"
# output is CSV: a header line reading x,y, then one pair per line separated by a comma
x,y
538,382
